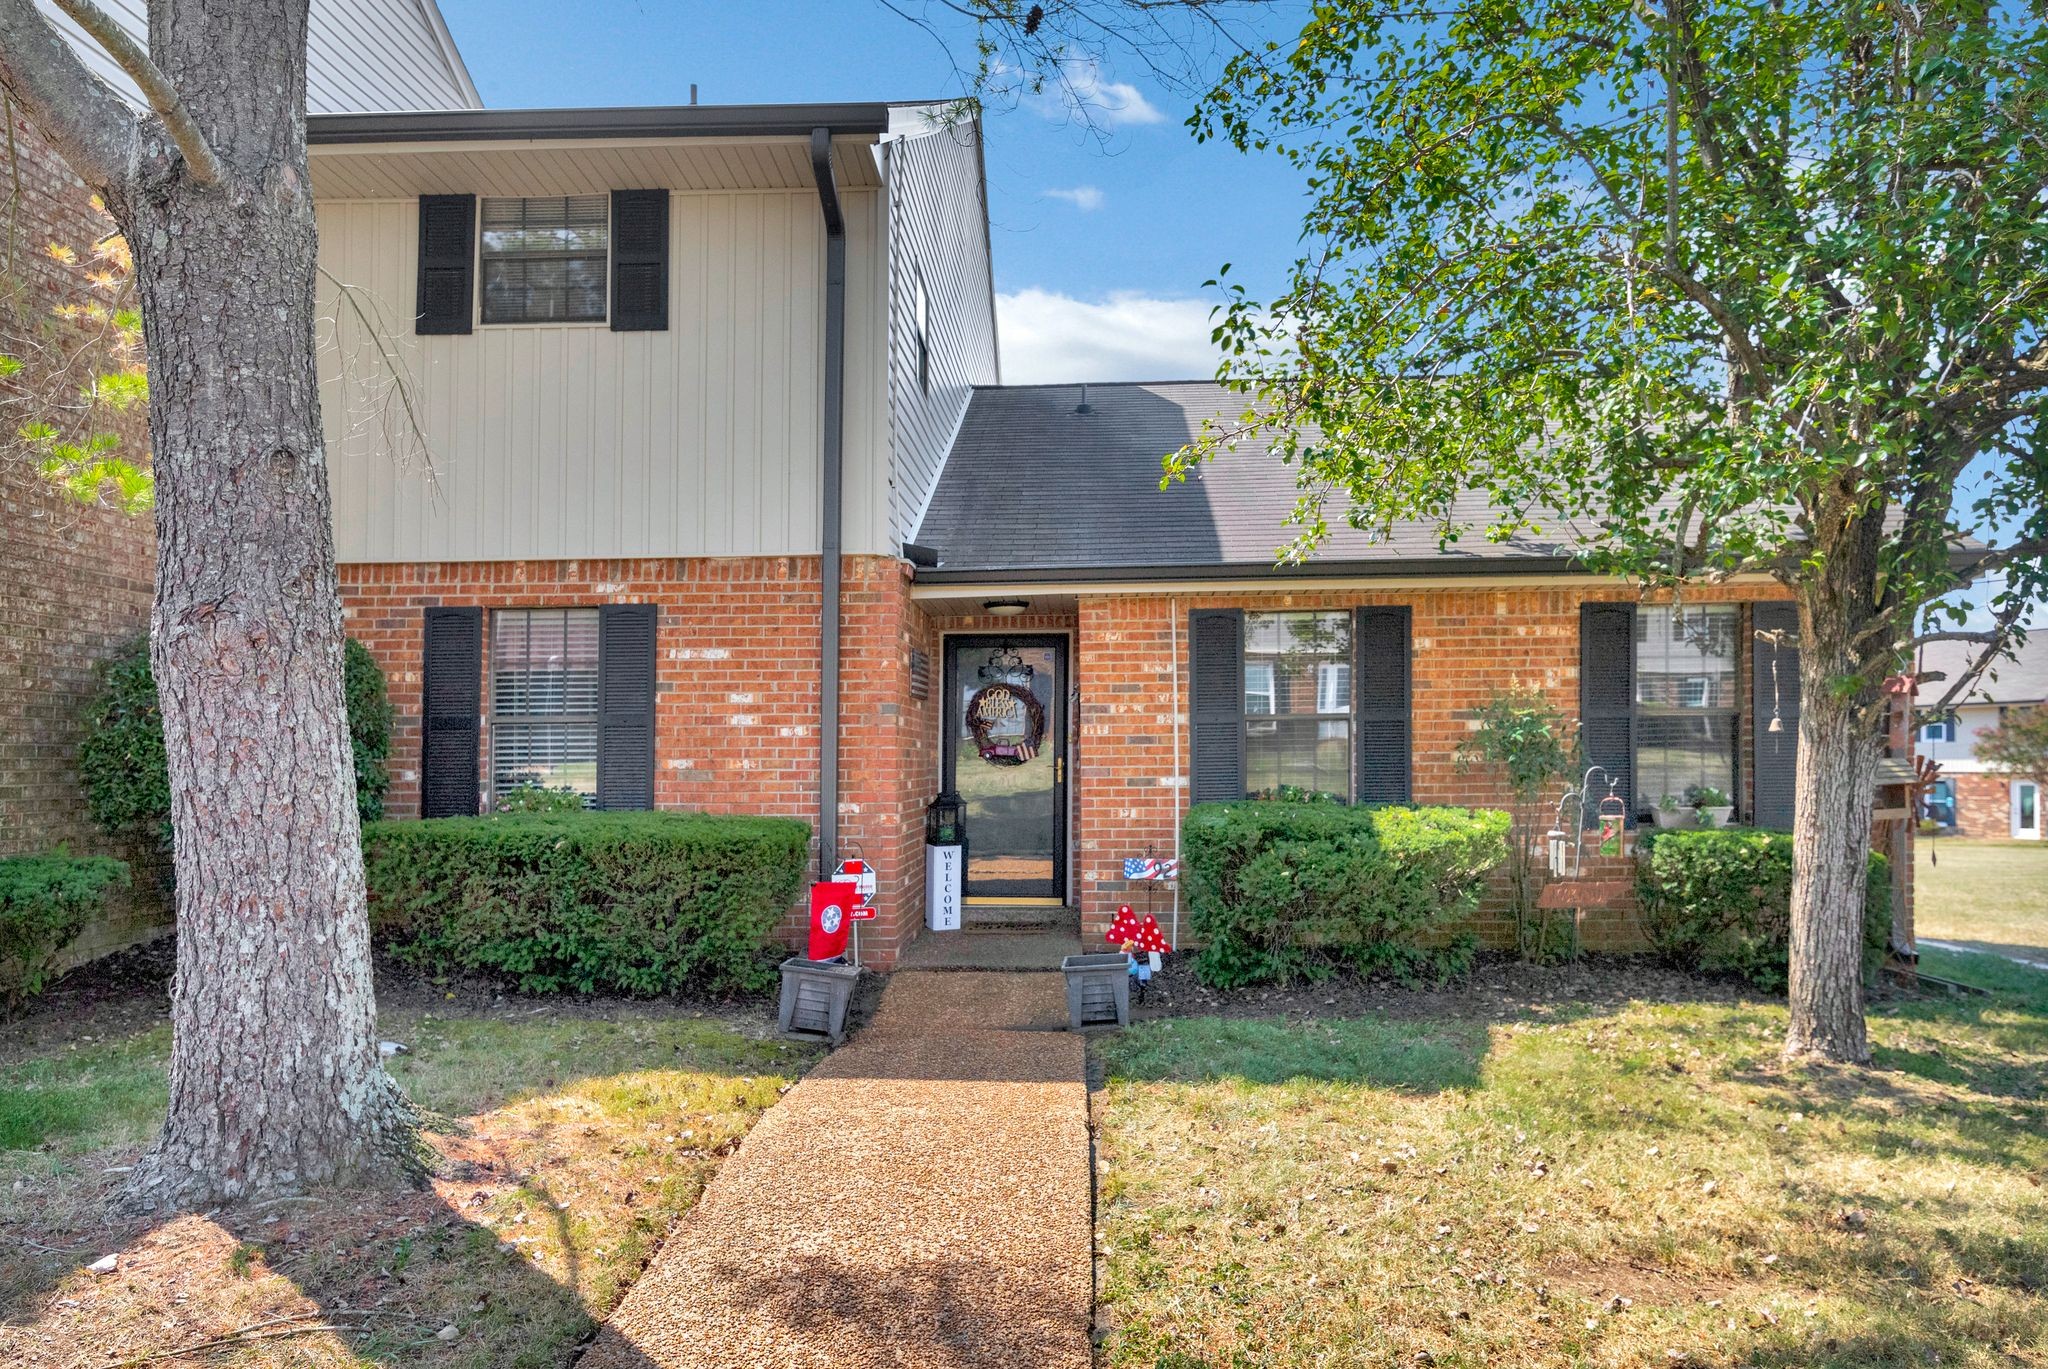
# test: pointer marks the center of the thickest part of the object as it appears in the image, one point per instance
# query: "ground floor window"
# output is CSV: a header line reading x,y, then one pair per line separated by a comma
x,y
544,700
1297,704
1688,708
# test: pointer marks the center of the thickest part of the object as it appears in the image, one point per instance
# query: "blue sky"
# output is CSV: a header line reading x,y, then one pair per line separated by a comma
x,y
1102,240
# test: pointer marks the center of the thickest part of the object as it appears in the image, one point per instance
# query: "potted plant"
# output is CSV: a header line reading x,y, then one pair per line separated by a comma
x,y
1709,805
1668,814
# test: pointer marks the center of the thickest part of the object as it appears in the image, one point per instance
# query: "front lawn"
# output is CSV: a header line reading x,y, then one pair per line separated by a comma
x,y
568,1143
1511,1180
1992,894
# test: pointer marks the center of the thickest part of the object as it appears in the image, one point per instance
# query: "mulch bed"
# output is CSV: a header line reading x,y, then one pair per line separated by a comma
x,y
1499,988
129,992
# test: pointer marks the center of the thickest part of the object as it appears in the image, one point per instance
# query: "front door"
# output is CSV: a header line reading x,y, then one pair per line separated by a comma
x,y
1006,727
2026,810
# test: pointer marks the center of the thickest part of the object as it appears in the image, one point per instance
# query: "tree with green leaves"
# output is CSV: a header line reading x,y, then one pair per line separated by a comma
x,y
1533,749
275,1080
1706,288
2018,746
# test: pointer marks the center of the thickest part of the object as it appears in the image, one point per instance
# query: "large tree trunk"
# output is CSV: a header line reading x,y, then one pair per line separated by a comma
x,y
275,1079
1832,805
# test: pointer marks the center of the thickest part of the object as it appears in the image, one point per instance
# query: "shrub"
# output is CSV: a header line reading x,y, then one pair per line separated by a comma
x,y
536,798
1721,899
127,779
44,904
1281,891
369,726
635,903
1534,750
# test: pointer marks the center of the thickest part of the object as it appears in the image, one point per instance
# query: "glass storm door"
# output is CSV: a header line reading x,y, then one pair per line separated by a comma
x,y
2026,810
1006,727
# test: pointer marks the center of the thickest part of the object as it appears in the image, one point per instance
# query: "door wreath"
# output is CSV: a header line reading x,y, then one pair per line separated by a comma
x,y
1008,723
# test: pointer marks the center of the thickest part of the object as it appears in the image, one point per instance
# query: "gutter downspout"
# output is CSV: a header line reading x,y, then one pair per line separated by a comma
x,y
834,455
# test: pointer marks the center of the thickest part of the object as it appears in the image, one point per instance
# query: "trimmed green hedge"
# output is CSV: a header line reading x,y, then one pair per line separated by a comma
x,y
1280,891
45,902
633,903
1722,900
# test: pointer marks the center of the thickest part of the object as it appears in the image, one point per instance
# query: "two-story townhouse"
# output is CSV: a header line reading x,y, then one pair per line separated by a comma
x,y
1971,798
675,370
75,581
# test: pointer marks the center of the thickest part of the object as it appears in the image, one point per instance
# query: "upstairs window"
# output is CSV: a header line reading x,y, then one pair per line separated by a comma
x,y
1297,704
544,700
1943,731
545,259
1687,707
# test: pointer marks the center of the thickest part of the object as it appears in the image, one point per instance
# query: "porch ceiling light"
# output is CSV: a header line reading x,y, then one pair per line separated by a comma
x,y
1005,608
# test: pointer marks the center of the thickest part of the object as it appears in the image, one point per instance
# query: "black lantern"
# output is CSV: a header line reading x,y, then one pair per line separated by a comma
x,y
945,821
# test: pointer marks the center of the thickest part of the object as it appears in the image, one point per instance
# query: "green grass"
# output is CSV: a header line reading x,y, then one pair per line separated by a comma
x,y
1646,1186
91,1095
569,1146
1987,893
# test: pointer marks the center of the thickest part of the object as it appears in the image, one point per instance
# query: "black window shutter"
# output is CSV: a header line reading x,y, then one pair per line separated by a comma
x,y
639,261
625,688
1775,692
1607,694
1216,724
447,264
1383,723
453,703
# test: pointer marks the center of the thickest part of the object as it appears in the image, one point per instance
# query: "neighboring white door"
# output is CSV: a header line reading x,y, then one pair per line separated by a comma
x,y
2026,809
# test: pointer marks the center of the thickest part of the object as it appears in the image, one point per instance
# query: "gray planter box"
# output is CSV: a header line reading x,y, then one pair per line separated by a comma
x,y
814,998
1098,990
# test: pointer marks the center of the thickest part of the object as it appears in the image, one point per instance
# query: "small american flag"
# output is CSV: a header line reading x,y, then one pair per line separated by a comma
x,y
1149,867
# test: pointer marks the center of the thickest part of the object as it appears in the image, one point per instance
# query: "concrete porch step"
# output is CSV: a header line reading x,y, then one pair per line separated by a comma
x,y
1014,917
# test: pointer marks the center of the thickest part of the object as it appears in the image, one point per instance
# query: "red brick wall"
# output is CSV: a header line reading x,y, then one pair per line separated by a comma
x,y
1983,805
737,705
736,713
75,580
1467,643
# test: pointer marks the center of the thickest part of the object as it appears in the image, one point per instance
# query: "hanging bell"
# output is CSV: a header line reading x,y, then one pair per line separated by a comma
x,y
1777,724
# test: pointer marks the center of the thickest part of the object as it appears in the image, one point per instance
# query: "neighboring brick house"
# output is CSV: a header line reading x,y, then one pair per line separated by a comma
x,y
76,580
1971,799
664,359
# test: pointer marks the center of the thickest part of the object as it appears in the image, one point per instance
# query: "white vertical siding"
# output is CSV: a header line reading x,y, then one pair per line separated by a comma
x,y
938,222
572,441
361,55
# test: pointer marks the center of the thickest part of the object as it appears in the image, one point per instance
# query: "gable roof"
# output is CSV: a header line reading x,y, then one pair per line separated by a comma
x,y
2005,680
1035,490
360,54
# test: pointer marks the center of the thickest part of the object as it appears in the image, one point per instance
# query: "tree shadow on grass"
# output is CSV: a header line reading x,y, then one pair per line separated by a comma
x,y
384,1273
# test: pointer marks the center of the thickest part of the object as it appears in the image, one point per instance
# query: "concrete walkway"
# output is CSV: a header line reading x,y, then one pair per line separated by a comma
x,y
2011,953
920,1199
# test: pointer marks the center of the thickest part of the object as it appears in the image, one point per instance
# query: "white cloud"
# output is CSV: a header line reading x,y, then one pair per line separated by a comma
x,y
1078,90
1049,337
1086,198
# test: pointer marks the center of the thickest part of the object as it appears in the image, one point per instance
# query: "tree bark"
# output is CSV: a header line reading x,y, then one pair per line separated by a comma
x,y
1832,804
275,1080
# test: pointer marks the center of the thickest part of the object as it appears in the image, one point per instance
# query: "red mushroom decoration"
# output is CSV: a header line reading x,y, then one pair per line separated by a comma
x,y
1124,929
1150,939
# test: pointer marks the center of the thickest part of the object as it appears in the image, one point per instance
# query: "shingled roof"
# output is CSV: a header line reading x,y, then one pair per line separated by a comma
x,y
1037,488
2004,681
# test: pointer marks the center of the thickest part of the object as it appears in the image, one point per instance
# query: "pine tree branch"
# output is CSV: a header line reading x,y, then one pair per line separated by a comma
x,y
156,87
91,127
